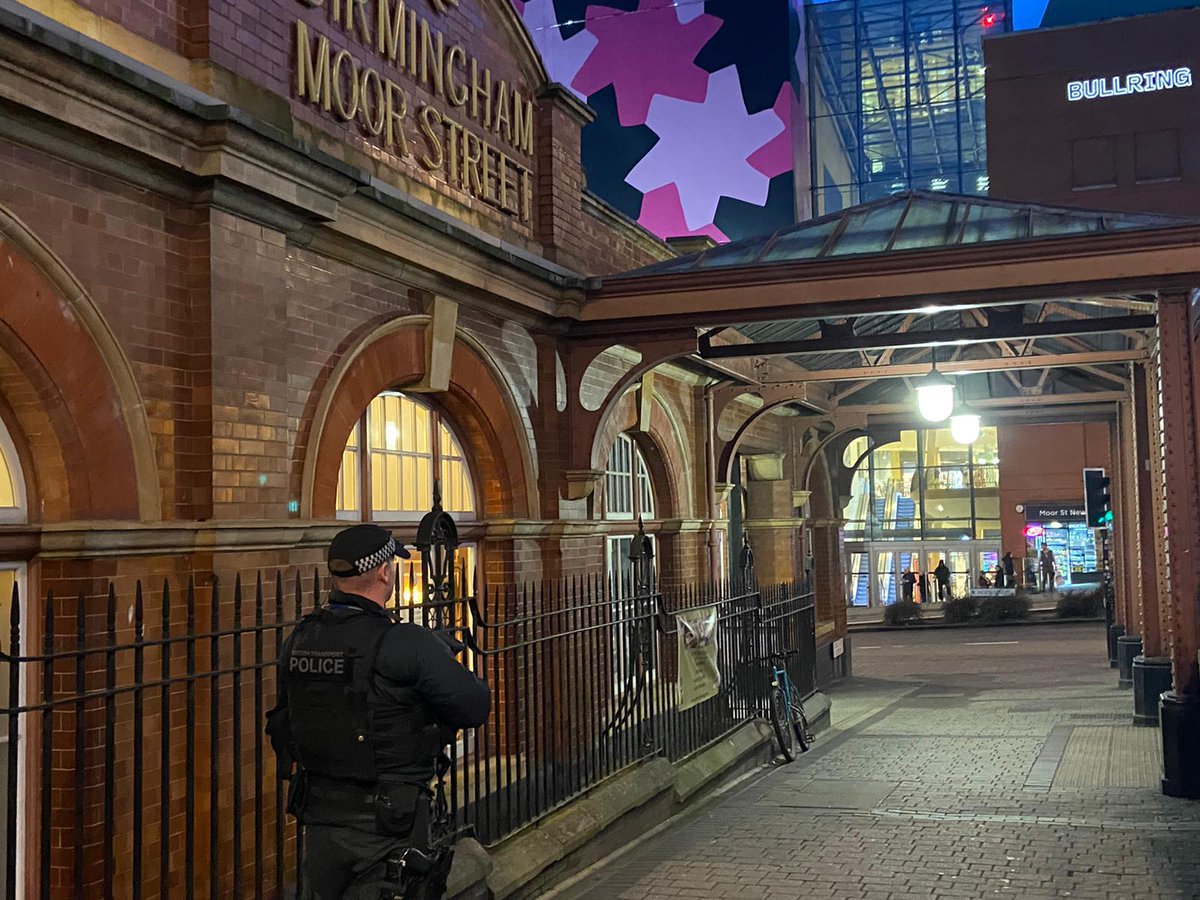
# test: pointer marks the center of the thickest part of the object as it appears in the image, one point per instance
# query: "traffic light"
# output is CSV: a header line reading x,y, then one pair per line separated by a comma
x,y
1096,498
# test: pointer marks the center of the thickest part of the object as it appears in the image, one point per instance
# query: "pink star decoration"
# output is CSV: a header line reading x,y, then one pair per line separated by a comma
x,y
644,53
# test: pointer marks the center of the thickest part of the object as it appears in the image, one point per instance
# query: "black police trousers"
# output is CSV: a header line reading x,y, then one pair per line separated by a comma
x,y
347,864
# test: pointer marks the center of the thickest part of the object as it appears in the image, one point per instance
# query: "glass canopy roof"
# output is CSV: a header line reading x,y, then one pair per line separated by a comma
x,y
910,221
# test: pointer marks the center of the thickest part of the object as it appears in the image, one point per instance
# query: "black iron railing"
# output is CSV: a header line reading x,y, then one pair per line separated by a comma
x,y
136,760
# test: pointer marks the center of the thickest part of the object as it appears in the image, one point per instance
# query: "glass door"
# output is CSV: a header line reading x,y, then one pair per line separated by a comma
x,y
910,560
859,588
886,587
958,561
890,566
988,560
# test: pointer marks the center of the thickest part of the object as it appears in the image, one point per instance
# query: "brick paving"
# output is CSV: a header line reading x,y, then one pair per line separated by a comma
x,y
959,765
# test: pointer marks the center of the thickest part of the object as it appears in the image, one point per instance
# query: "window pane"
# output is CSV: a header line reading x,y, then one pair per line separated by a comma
x,y
618,482
645,489
378,481
422,481
376,416
347,492
392,464
8,496
421,428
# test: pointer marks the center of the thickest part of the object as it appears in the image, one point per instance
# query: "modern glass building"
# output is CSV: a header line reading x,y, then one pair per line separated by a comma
x,y
917,501
896,97
896,89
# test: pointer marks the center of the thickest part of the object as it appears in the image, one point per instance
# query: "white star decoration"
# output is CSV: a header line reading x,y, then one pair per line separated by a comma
x,y
563,58
704,148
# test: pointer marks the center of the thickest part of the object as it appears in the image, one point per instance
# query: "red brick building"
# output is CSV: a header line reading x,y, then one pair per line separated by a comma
x,y
272,267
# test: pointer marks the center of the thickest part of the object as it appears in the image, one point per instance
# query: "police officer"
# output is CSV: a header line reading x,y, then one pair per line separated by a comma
x,y
365,706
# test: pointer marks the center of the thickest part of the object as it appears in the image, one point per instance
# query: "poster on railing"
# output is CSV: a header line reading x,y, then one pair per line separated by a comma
x,y
699,677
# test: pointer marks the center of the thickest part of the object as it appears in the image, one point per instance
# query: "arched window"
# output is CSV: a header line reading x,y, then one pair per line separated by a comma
x,y
628,491
391,459
13,503
628,496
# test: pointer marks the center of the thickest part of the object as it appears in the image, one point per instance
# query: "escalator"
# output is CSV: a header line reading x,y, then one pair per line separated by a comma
x,y
862,585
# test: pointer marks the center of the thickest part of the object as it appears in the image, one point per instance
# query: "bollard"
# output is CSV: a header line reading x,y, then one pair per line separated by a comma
x,y
1128,646
1114,632
1151,678
1179,716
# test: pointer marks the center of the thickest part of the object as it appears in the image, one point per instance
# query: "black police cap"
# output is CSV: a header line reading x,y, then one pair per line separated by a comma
x,y
361,548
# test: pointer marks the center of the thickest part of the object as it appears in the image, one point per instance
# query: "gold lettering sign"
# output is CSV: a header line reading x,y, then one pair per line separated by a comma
x,y
469,142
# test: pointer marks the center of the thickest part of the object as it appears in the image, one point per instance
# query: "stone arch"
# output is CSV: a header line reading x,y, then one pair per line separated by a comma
x,y
79,410
478,403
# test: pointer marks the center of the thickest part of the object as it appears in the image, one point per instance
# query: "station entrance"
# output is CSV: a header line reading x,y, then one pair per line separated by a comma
x,y
876,570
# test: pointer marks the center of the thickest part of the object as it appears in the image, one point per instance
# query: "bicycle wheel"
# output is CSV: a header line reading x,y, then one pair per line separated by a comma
x,y
800,723
781,721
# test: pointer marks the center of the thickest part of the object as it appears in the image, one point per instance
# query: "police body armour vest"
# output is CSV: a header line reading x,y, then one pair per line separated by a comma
x,y
341,727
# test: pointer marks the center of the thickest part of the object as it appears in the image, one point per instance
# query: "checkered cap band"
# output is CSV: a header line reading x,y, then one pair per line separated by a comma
x,y
378,558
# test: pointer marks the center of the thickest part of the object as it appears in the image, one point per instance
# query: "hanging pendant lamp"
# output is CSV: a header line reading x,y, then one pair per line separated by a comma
x,y
964,425
935,396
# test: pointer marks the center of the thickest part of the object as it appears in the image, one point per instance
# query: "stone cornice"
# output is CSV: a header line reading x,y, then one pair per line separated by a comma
x,y
772,523
105,539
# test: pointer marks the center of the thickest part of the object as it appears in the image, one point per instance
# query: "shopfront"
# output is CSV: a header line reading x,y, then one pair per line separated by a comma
x,y
1063,528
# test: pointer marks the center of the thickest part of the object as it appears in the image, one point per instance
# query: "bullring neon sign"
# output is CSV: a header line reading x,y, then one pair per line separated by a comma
x,y
1134,83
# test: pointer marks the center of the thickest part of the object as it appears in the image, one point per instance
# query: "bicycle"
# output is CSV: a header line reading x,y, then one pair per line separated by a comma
x,y
787,710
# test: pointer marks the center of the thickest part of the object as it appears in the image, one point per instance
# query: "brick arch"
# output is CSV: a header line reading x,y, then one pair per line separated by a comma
x,y
665,452
730,449
49,446
479,406
61,354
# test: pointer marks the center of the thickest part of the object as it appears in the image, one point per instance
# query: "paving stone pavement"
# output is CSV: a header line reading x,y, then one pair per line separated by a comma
x,y
960,764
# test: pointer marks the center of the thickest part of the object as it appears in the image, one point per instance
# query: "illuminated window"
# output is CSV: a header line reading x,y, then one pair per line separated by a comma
x,y
348,499
390,461
12,483
628,491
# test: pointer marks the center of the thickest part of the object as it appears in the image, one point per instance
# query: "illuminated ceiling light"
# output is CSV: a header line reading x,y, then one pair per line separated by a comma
x,y
964,426
935,396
